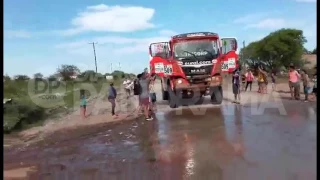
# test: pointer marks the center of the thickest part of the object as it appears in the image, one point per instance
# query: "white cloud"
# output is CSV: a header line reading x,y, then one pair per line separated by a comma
x,y
17,34
270,23
307,1
103,18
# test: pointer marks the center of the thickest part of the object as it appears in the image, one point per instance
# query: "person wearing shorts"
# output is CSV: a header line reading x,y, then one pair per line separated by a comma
x,y
83,106
306,85
145,95
294,83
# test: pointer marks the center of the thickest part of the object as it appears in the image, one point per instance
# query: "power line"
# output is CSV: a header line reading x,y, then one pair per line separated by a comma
x,y
95,56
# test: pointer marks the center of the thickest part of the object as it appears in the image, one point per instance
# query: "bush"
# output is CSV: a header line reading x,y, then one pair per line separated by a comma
x,y
20,113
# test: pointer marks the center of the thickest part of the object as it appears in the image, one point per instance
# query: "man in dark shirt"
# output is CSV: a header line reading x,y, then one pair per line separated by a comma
x,y
112,95
236,84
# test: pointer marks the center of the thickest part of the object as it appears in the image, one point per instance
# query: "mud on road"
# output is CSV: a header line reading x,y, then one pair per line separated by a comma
x,y
221,142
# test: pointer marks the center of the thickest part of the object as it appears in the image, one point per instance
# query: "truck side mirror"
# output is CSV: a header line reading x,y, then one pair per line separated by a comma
x,y
229,44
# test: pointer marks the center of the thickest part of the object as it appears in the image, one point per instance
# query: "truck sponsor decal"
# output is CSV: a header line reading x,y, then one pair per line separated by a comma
x,y
231,63
158,68
197,70
199,53
197,63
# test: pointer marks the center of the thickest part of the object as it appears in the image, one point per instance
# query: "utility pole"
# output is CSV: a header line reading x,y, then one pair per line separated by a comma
x,y
111,68
243,57
119,65
95,56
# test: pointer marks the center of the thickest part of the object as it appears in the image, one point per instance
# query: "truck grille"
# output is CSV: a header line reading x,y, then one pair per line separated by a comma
x,y
204,70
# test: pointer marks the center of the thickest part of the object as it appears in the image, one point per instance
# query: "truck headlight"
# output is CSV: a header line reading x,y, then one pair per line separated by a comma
x,y
179,81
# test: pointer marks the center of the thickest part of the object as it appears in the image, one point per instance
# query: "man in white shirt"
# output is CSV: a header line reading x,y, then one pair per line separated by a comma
x,y
128,86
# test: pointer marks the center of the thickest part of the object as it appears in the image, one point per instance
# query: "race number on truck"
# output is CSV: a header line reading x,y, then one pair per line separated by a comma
x,y
168,69
224,66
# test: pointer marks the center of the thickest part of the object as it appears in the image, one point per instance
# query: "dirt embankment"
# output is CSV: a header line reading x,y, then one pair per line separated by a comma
x,y
98,112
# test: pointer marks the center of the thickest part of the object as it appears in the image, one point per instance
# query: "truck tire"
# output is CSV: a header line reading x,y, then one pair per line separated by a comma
x,y
217,95
165,95
173,99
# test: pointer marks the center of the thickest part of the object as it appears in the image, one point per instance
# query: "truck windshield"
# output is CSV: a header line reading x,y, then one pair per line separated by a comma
x,y
198,48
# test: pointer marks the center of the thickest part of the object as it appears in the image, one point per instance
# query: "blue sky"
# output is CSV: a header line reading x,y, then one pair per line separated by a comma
x,y
40,35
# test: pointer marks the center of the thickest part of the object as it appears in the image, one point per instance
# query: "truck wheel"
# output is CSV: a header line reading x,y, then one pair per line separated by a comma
x,y
165,95
217,95
173,99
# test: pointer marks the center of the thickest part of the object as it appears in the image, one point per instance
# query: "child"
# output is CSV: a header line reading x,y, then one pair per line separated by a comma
x,y
306,84
83,105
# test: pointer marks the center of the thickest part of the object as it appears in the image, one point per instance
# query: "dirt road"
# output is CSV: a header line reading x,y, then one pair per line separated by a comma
x,y
266,137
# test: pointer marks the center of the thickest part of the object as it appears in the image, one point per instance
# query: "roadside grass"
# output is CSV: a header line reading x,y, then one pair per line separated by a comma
x,y
33,103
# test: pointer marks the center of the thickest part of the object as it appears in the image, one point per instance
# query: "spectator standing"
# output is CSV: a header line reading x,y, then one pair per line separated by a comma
x,y
262,80
144,95
127,86
112,99
306,85
236,84
294,83
249,78
83,105
137,92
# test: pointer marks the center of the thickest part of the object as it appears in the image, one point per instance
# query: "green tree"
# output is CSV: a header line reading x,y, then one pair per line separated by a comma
x,y
66,71
90,75
278,49
118,74
21,77
38,76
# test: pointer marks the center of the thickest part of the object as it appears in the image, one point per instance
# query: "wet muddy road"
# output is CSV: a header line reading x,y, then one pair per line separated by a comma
x,y
226,142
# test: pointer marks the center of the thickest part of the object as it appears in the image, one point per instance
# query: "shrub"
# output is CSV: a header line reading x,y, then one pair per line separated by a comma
x,y
21,112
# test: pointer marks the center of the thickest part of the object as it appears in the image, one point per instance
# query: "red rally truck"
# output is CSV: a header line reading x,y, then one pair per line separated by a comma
x,y
192,64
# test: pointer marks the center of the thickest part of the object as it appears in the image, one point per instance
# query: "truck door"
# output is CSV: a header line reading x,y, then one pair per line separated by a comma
x,y
160,53
230,57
